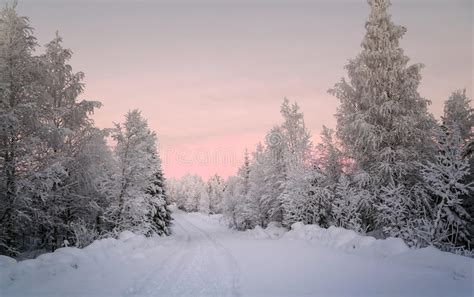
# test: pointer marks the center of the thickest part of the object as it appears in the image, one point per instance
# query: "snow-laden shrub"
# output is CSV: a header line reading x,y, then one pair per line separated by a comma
x,y
83,234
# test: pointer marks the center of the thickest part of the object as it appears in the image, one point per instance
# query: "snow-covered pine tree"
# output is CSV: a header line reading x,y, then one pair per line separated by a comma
x,y
138,163
443,179
382,122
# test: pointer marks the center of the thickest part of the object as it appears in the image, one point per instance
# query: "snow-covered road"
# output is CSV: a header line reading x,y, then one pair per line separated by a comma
x,y
200,266
204,258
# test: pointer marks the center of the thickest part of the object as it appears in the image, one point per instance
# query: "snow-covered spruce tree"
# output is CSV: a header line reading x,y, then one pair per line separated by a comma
x,y
330,157
245,170
243,193
241,205
346,194
468,200
443,179
238,206
295,136
255,176
275,176
19,95
288,149
138,199
303,199
159,213
286,153
457,111
382,122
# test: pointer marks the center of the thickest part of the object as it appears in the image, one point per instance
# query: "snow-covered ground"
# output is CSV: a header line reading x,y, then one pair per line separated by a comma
x,y
204,258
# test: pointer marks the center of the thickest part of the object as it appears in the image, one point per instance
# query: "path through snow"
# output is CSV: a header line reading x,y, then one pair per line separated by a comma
x,y
200,266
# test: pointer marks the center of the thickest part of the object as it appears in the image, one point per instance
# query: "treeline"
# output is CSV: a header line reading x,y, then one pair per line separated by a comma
x,y
60,184
192,194
389,169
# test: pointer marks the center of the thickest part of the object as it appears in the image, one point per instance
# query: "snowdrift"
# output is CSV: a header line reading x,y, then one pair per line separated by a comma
x,y
347,240
332,237
68,259
351,242
273,231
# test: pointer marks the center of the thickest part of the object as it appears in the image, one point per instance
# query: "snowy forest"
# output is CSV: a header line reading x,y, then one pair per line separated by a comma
x,y
60,183
388,169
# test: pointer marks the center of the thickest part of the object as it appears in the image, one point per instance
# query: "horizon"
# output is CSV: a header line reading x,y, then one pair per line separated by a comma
x,y
223,95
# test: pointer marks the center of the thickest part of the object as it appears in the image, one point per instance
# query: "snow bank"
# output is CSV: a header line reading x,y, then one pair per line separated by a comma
x,y
347,240
333,237
6,262
273,231
70,258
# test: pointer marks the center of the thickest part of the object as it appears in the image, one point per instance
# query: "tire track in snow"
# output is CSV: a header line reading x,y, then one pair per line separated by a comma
x,y
235,270
137,289
200,266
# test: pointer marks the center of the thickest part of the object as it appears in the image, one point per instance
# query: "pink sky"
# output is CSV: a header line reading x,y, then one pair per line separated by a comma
x,y
210,77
